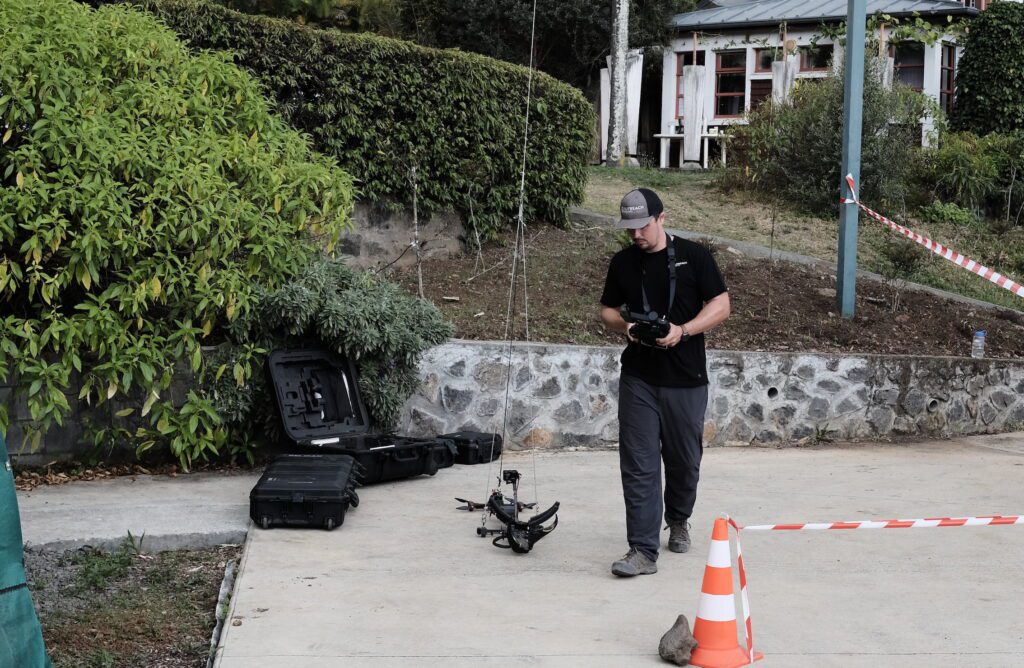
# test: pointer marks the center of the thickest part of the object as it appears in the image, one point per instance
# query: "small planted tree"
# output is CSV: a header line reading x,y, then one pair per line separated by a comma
x,y
149,198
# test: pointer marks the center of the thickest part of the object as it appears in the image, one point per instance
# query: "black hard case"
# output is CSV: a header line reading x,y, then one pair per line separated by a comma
x,y
321,409
475,447
312,490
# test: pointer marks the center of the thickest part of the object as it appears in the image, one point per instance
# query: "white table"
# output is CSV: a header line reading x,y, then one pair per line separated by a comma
x,y
666,145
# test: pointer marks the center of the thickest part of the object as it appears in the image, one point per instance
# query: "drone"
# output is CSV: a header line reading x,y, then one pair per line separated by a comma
x,y
518,535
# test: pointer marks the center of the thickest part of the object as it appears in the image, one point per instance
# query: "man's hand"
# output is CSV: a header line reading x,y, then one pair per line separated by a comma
x,y
675,334
629,326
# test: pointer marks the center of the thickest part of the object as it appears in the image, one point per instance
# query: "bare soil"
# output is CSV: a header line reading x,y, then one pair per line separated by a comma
x,y
776,306
127,608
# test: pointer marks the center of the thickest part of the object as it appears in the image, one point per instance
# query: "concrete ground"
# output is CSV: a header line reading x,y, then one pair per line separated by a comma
x,y
406,581
196,510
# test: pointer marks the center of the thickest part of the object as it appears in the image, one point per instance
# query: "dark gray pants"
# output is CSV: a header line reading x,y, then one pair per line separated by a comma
x,y
655,424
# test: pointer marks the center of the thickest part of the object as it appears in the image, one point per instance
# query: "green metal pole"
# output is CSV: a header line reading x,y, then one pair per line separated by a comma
x,y
853,103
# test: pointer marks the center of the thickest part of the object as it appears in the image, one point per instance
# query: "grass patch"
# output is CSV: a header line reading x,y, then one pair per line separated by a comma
x,y
123,607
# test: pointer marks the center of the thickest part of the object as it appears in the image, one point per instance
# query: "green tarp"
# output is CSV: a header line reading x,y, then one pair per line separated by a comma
x,y
21,637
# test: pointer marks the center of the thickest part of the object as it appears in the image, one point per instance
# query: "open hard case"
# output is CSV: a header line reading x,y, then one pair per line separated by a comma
x,y
317,395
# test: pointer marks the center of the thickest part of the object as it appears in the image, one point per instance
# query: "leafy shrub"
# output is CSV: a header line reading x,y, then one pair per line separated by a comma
x,y
990,90
148,197
793,150
982,174
939,212
381,106
328,305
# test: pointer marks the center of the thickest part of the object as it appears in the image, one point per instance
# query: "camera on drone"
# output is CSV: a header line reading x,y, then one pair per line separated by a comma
x,y
647,327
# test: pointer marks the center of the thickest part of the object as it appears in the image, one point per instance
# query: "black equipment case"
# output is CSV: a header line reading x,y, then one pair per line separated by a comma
x,y
321,409
475,447
305,491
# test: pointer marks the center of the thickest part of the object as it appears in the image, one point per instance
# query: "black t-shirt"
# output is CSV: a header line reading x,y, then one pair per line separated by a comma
x,y
698,280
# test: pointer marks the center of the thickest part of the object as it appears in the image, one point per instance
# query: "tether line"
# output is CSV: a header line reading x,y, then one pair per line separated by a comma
x,y
520,245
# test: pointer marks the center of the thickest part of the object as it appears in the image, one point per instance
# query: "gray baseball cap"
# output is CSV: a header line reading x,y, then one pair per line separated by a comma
x,y
638,207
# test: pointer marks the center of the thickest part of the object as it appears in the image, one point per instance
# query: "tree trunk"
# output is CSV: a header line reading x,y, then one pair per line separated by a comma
x,y
617,88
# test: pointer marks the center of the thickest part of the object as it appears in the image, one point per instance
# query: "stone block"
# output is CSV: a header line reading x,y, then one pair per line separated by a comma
x,y
523,376
756,411
456,400
457,370
429,387
710,431
859,374
538,438
794,392
783,414
550,388
806,372
988,413
887,397
721,406
610,432
881,419
914,402
491,376
569,412
423,422
487,407
829,385
818,408
1002,399
573,382
599,405
801,431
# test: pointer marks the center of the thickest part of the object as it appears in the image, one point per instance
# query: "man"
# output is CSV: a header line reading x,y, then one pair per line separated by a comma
x,y
663,387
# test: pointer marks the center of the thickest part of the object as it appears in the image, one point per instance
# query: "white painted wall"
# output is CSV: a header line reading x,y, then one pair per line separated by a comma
x,y
751,42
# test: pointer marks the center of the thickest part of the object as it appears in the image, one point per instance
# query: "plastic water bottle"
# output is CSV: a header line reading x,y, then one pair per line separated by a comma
x,y
978,344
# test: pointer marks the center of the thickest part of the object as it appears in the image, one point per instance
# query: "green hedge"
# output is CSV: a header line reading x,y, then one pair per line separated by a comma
x,y
990,88
148,197
380,105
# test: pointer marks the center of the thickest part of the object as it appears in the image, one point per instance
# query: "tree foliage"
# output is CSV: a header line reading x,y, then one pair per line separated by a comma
x,y
573,37
990,76
148,197
792,150
382,106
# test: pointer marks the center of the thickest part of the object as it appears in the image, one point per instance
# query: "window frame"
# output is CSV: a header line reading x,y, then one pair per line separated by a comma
x,y
757,58
680,57
947,66
719,71
803,57
897,68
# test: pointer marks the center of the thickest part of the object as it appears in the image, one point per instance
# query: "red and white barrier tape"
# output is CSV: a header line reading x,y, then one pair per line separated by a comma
x,y
935,247
744,599
928,523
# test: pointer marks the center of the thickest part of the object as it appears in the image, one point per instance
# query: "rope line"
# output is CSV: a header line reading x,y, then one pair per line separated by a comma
x,y
518,251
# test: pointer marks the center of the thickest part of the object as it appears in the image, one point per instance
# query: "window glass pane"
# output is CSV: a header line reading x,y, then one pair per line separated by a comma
x,y
687,58
765,57
679,107
911,76
911,53
817,58
760,92
729,106
733,59
731,83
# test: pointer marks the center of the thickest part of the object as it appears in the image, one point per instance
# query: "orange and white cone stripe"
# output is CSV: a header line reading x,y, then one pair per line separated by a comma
x,y
935,247
715,624
744,599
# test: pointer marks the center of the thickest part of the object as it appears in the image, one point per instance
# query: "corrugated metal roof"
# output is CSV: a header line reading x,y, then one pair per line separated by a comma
x,y
772,12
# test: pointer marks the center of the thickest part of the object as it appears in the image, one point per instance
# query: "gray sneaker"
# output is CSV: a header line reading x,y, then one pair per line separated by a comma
x,y
679,537
634,563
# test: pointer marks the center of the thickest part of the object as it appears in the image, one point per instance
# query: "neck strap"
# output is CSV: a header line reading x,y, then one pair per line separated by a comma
x,y
671,248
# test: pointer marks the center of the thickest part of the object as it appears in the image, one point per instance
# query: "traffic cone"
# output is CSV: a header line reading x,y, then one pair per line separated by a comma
x,y
715,624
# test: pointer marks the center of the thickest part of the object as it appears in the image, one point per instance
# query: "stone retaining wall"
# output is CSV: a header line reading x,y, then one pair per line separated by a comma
x,y
382,235
567,396
564,396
